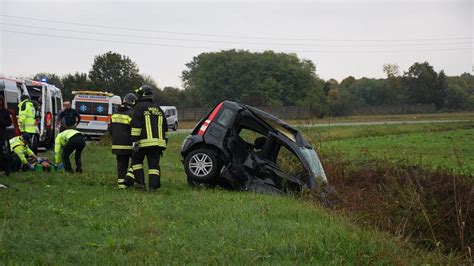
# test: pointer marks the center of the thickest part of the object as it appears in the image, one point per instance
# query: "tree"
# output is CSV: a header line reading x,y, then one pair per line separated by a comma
x,y
424,86
50,77
348,82
455,98
148,80
72,82
391,70
266,78
115,73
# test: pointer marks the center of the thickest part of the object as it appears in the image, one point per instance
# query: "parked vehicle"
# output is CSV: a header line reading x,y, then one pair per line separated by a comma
x,y
171,114
48,101
241,147
95,108
12,90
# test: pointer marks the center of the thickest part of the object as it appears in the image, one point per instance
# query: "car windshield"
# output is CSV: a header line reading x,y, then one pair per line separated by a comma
x,y
314,163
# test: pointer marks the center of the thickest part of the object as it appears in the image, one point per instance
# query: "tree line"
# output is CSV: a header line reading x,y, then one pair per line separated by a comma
x,y
275,79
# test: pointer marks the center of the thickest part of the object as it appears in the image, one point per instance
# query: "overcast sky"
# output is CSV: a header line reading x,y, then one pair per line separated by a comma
x,y
341,37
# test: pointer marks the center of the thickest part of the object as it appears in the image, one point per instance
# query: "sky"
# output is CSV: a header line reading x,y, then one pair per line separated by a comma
x,y
341,37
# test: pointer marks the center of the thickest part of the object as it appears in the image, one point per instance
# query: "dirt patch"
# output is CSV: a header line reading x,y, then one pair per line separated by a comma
x,y
432,208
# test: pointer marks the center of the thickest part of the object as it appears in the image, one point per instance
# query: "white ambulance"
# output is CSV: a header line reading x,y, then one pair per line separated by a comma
x,y
12,89
95,108
49,102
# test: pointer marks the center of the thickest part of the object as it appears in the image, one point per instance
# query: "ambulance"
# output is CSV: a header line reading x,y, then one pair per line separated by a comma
x,y
95,108
12,89
48,101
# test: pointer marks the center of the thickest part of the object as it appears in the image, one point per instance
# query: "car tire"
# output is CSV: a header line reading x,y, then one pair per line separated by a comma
x,y
201,166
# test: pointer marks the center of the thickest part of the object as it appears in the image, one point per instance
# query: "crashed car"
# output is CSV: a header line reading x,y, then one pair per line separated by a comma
x,y
240,147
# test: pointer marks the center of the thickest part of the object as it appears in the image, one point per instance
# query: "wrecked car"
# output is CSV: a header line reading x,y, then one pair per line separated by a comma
x,y
240,147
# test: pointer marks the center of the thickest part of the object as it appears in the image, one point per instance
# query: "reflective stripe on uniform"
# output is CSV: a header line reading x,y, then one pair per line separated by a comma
x,y
120,180
136,131
130,174
149,133
153,172
160,127
122,186
137,166
123,119
121,147
152,142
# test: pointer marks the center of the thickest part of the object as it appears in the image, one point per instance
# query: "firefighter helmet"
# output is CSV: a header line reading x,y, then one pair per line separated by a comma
x,y
145,92
130,100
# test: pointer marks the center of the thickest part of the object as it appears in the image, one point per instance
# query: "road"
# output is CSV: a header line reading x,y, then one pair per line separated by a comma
x,y
342,124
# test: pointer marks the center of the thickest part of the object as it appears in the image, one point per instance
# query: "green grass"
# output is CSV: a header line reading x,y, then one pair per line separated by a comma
x,y
83,219
448,145
450,149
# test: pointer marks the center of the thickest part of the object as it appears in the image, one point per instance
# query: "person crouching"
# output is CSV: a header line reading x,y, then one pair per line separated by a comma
x,y
66,143
21,152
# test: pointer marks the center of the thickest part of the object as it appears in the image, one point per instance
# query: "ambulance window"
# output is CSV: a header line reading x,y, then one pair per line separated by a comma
x,y
84,107
100,108
58,104
53,105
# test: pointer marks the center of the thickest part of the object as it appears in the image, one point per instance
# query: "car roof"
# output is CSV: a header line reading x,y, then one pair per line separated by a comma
x,y
273,121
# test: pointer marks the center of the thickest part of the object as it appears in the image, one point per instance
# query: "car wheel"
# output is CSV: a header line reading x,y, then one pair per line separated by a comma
x,y
175,127
201,166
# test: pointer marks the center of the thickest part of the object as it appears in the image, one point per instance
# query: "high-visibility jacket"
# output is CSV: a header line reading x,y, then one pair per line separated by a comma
x,y
61,141
121,131
21,149
26,116
149,125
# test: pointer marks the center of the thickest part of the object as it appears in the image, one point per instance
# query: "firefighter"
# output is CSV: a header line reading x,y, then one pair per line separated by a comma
x,y
26,119
122,141
148,138
66,143
21,153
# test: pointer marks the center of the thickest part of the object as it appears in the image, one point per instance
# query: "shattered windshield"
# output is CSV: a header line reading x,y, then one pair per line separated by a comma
x,y
314,163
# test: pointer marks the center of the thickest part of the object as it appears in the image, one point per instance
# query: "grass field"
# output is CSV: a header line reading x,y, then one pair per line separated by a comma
x,y
83,219
448,145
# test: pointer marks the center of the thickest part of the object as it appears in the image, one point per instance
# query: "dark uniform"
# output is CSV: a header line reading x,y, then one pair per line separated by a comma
x,y
148,136
122,140
68,118
5,121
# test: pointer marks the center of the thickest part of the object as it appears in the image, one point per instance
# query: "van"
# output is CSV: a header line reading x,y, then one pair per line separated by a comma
x,y
48,101
171,114
95,108
12,90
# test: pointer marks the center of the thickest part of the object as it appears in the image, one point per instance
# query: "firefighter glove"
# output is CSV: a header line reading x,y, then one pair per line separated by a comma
x,y
135,147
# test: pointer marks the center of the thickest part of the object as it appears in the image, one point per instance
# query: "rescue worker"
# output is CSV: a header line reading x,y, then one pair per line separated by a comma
x,y
66,142
148,137
5,121
68,117
26,118
21,153
122,141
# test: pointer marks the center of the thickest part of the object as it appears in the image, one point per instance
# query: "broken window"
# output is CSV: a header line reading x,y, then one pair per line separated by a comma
x,y
289,163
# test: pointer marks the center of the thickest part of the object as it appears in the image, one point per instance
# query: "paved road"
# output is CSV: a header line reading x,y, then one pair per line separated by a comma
x,y
342,124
